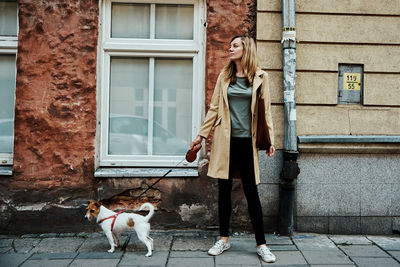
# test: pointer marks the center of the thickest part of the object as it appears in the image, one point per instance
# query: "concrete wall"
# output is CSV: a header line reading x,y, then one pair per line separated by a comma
x,y
342,188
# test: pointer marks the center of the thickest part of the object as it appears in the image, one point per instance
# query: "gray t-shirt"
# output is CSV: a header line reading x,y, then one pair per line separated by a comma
x,y
239,98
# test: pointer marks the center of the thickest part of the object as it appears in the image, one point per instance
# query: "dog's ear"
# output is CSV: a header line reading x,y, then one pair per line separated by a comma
x,y
97,204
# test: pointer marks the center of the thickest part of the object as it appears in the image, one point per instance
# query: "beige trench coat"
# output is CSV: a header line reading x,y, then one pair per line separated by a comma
x,y
218,117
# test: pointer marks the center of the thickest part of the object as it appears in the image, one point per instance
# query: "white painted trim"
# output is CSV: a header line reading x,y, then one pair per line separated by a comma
x,y
152,21
150,48
8,48
6,158
150,111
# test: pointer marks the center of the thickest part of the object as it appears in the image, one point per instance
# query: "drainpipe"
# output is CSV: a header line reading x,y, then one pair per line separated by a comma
x,y
290,168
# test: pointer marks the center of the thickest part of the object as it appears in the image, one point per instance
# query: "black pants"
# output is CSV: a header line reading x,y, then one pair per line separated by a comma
x,y
241,159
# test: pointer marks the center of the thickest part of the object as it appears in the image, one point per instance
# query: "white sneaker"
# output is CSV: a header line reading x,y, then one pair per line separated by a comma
x,y
219,247
265,254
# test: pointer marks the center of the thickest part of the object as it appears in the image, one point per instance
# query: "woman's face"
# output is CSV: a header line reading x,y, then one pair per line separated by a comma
x,y
236,49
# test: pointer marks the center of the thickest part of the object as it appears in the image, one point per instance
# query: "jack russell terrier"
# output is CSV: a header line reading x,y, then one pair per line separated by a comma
x,y
113,224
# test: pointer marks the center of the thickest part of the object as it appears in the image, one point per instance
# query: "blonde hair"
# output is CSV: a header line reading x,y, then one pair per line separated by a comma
x,y
249,61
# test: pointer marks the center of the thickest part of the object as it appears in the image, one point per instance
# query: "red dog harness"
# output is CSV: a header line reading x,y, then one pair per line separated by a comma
x,y
113,216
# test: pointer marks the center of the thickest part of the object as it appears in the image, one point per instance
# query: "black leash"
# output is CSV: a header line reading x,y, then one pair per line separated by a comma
x,y
159,179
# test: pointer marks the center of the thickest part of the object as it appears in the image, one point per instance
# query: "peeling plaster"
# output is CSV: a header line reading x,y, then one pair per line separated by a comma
x,y
195,211
36,207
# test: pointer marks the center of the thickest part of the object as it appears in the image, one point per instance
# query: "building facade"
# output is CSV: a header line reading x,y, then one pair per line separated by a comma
x,y
102,98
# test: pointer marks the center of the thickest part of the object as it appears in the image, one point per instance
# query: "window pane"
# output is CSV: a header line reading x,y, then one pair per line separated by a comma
x,y
8,18
128,122
174,22
7,92
172,106
130,20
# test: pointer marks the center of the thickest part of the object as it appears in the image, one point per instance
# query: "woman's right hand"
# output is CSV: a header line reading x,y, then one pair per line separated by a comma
x,y
196,144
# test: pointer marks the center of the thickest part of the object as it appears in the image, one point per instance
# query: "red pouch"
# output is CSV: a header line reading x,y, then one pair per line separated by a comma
x,y
192,154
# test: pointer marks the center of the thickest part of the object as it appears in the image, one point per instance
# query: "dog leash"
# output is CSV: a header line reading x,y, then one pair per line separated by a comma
x,y
189,157
159,179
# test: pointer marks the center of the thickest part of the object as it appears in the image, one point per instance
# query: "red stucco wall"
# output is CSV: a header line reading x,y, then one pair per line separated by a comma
x,y
55,104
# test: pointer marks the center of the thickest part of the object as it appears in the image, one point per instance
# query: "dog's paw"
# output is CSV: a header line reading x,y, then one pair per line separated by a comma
x,y
149,254
111,250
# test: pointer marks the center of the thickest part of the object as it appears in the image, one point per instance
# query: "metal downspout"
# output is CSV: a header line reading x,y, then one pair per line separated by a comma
x,y
290,168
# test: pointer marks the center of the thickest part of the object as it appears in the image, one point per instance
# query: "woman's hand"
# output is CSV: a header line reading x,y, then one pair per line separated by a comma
x,y
196,144
271,151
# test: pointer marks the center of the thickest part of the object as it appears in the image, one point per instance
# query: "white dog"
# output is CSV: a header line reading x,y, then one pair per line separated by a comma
x,y
114,223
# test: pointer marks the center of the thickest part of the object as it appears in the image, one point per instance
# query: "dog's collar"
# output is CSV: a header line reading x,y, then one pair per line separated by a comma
x,y
113,216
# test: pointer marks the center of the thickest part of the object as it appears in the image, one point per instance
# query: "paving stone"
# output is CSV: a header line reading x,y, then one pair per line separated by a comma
x,y
326,257
160,243
192,243
137,258
350,240
94,263
67,235
90,235
48,235
190,262
46,263
53,256
242,244
237,258
283,248
188,254
331,265
100,244
386,242
56,245
25,245
313,242
99,255
395,254
8,236
374,262
278,240
287,258
30,236
11,260
6,250
363,251
6,242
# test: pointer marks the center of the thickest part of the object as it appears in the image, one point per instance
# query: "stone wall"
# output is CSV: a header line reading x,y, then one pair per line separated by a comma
x,y
342,187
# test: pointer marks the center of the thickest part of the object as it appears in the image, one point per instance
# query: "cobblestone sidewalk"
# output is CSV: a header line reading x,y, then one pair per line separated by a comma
x,y
189,248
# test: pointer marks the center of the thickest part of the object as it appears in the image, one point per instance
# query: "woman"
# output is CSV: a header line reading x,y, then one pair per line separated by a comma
x,y
233,117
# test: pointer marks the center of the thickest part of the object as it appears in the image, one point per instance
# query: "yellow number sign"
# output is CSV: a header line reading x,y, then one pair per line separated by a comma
x,y
351,81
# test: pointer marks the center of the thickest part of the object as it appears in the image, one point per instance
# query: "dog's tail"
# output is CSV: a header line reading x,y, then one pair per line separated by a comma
x,y
151,210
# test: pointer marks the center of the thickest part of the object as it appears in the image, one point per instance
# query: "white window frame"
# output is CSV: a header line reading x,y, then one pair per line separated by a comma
x,y
9,46
149,48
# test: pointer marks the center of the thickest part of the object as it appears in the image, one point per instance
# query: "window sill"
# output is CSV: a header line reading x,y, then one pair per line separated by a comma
x,y
145,172
5,170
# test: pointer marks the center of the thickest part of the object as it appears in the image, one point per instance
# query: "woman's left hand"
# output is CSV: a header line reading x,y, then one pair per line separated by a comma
x,y
271,151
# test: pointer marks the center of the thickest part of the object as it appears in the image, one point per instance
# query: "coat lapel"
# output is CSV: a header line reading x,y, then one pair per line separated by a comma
x,y
225,85
256,83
